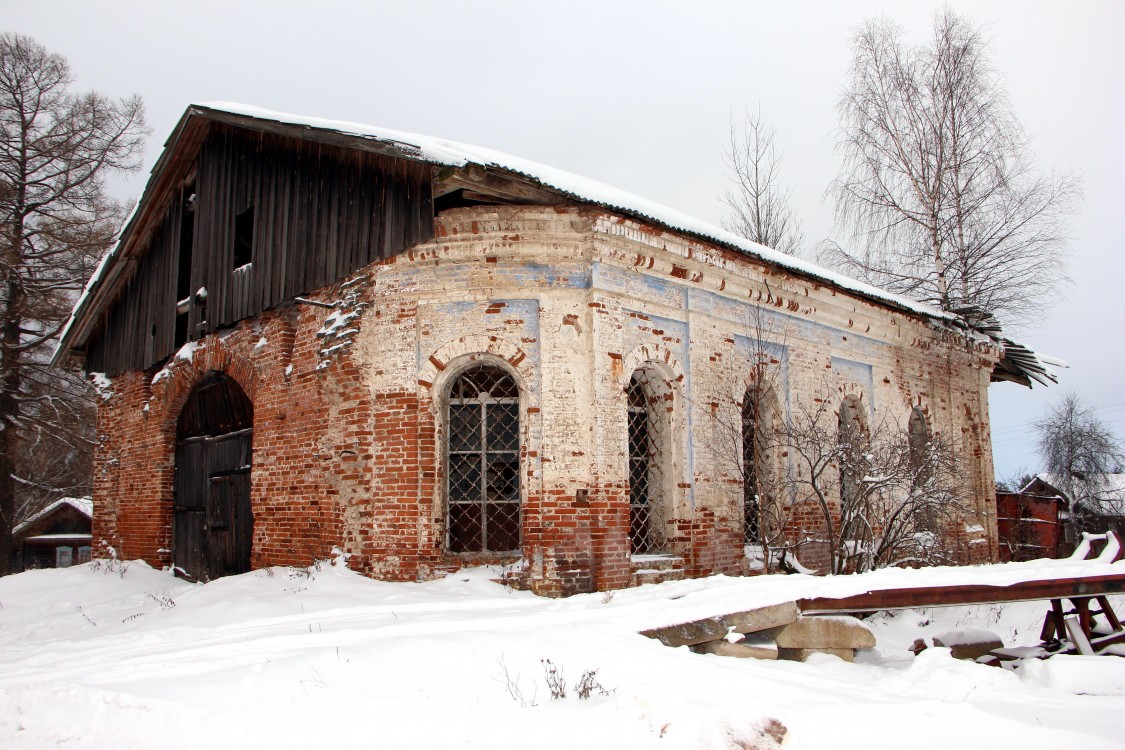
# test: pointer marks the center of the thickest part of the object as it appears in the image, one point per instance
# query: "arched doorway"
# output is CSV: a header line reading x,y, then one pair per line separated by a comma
x,y
212,521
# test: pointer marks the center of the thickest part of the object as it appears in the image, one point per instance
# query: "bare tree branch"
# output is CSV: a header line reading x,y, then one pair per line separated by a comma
x,y
880,495
760,209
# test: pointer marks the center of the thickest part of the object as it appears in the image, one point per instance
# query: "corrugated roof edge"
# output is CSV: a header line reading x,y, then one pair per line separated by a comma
x,y
452,153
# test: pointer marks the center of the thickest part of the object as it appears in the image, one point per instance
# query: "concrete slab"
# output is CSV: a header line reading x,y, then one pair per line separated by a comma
x,y
763,618
714,628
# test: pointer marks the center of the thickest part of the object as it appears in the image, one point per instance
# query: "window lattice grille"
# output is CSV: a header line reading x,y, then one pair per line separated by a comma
x,y
751,504
645,473
484,462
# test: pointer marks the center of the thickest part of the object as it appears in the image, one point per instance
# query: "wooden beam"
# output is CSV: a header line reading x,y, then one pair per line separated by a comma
x,y
951,596
506,187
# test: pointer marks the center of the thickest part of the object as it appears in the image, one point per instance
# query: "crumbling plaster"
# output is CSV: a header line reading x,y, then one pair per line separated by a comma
x,y
575,300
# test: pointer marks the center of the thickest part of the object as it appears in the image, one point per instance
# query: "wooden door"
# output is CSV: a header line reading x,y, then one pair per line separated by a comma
x,y
229,523
188,506
212,520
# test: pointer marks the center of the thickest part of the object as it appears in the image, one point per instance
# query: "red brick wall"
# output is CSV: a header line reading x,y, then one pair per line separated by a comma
x,y
296,445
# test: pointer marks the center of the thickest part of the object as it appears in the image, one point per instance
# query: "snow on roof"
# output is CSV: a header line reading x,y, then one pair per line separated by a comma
x,y
452,153
57,537
84,505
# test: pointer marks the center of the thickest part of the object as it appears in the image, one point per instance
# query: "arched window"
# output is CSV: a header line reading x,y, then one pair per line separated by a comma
x,y
918,441
752,465
759,427
483,455
649,427
751,505
852,437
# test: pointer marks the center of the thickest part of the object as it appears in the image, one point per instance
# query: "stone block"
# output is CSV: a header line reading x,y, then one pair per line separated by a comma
x,y
689,633
835,632
763,618
752,649
714,628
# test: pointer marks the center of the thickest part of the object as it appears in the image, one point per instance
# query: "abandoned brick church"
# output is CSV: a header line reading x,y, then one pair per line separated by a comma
x,y
315,335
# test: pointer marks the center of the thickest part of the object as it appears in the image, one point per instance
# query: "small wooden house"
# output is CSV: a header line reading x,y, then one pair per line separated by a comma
x,y
58,536
315,334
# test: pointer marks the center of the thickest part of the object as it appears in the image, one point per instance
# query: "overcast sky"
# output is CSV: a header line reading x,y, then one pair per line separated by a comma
x,y
640,95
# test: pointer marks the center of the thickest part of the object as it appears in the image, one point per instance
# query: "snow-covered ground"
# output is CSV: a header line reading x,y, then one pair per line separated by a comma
x,y
124,656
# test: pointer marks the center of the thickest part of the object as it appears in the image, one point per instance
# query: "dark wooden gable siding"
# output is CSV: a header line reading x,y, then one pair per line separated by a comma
x,y
139,329
319,213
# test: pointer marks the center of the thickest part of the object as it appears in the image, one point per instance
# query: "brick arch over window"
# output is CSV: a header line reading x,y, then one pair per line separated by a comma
x,y
654,355
483,457
437,365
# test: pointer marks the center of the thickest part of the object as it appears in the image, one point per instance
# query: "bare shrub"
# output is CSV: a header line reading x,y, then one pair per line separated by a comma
x,y
556,680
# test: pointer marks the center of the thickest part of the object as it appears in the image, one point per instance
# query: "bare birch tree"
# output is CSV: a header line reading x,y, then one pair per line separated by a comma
x,y
56,149
760,209
937,185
